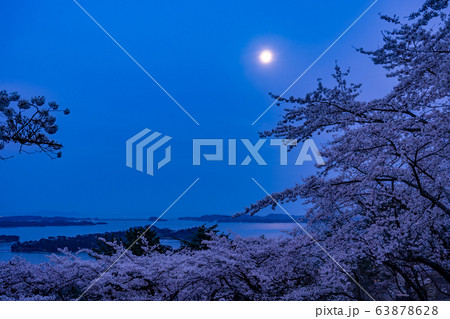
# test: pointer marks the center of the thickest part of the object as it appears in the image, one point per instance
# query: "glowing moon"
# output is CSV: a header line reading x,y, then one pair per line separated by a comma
x,y
266,57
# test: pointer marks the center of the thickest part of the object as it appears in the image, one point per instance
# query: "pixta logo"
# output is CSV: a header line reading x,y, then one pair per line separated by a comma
x,y
144,145
142,148
308,147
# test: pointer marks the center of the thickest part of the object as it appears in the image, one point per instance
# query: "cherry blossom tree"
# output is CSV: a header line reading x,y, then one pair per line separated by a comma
x,y
379,207
238,269
381,204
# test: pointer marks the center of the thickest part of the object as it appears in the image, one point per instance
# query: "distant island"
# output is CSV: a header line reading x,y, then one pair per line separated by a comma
x,y
8,239
40,221
154,218
90,241
271,218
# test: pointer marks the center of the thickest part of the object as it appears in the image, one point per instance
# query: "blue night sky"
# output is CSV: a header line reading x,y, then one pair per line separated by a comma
x,y
205,53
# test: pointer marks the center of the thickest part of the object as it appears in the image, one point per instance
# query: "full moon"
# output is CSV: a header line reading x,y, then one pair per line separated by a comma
x,y
266,56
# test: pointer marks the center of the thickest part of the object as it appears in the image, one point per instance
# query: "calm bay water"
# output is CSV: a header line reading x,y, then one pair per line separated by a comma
x,y
36,233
